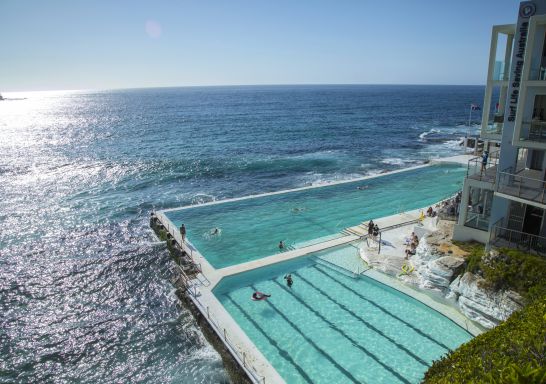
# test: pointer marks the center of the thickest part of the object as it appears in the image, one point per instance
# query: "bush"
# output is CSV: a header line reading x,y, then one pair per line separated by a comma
x,y
511,269
513,352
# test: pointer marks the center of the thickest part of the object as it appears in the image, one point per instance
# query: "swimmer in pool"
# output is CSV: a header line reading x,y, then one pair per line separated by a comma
x,y
215,231
259,296
289,280
361,187
281,244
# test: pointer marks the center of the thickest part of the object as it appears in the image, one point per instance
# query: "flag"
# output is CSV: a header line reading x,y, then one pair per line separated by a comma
x,y
474,107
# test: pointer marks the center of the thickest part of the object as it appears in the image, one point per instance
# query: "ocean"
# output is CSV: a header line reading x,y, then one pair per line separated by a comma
x,y
84,283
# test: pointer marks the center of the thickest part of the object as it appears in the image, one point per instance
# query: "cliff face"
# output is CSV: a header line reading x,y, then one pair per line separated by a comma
x,y
437,271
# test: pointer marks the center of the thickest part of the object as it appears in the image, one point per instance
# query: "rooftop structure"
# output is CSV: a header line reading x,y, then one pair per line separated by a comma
x,y
503,199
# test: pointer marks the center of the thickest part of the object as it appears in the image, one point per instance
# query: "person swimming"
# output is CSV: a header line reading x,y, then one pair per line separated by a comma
x,y
259,296
361,187
215,231
289,280
281,244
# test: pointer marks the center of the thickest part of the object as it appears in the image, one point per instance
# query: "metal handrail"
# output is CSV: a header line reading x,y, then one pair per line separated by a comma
x,y
529,241
516,183
223,334
476,164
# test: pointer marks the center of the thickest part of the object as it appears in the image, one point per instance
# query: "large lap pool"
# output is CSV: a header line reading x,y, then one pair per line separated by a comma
x,y
334,328
252,228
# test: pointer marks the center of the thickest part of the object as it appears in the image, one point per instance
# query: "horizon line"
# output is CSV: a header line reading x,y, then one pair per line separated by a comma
x,y
239,85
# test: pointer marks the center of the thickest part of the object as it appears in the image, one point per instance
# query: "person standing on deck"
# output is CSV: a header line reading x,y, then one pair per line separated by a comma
x,y
375,232
485,157
370,228
183,232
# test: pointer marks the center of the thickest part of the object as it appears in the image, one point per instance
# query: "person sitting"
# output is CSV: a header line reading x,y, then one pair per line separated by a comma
x,y
412,250
429,211
415,239
259,296
408,240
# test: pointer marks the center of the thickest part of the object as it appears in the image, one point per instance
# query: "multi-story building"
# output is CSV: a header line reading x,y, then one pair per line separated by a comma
x,y
504,202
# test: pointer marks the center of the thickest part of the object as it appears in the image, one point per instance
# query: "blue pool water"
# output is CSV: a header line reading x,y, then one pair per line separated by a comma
x,y
332,328
252,228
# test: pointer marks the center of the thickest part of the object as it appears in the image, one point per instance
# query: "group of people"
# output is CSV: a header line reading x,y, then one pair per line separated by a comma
x,y
411,245
373,230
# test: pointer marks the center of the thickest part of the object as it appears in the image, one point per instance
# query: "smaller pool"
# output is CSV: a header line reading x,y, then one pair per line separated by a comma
x,y
331,327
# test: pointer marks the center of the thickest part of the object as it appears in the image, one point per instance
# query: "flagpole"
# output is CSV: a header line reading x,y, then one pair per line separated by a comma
x,y
468,129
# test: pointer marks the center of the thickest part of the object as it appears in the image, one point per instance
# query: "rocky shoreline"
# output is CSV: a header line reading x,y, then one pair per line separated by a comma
x,y
439,266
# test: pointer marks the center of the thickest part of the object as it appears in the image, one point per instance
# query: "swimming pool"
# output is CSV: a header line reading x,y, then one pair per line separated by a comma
x,y
252,228
333,328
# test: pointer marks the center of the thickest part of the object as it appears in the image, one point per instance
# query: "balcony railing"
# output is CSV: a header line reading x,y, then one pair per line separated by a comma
x,y
477,171
522,186
533,131
504,237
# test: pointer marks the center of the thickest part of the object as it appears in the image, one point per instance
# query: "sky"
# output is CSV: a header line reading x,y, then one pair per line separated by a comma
x,y
103,44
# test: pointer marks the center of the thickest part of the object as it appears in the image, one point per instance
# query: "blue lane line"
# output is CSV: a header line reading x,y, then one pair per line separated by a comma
x,y
284,354
366,323
439,343
322,352
342,333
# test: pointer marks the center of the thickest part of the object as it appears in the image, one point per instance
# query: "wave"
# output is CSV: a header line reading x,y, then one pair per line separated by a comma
x,y
425,134
202,198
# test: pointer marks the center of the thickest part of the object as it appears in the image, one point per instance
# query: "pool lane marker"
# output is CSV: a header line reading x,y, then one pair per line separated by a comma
x,y
284,354
439,343
322,351
362,320
346,336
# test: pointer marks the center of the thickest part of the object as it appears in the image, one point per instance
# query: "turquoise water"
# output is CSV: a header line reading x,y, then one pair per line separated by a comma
x,y
332,328
252,228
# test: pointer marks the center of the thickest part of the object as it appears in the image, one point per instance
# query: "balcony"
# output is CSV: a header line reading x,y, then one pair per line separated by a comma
x,y
504,237
533,131
526,184
476,171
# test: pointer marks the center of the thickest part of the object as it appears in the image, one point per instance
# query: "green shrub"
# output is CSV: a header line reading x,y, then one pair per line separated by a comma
x,y
513,352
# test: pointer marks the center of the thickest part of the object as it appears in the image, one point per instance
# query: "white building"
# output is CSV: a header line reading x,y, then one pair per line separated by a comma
x,y
504,203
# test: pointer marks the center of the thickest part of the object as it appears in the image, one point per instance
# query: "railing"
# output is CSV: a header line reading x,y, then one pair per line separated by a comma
x,y
533,131
518,239
235,350
477,170
521,186
193,291
492,234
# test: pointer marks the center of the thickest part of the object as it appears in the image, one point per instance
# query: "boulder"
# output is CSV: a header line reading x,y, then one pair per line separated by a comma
x,y
481,305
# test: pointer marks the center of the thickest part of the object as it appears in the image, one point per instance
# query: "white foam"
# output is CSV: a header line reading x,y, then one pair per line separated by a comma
x,y
396,161
425,134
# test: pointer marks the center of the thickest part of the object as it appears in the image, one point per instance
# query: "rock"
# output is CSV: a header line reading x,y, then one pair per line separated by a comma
x,y
481,305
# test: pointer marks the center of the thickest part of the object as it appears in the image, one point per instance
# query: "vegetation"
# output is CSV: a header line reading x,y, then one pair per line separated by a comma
x,y
507,268
515,351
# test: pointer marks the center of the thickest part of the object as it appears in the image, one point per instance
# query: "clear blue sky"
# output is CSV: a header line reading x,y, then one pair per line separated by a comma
x,y
98,44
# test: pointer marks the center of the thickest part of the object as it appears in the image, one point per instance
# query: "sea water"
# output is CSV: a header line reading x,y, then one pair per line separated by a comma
x,y
84,290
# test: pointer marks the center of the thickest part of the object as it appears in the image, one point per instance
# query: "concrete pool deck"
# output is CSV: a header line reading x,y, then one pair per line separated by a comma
x,y
242,348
